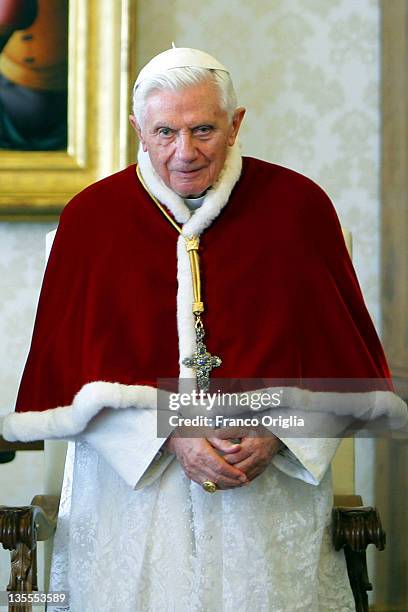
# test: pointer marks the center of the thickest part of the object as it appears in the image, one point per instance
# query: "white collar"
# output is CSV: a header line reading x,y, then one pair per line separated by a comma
x,y
215,198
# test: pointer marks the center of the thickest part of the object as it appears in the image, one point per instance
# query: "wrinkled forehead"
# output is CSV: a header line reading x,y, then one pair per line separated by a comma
x,y
199,102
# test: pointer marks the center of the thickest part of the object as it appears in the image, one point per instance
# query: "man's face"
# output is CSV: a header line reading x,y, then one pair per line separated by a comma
x,y
187,135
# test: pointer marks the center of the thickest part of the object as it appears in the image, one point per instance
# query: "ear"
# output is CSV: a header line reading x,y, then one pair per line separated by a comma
x,y
138,130
236,124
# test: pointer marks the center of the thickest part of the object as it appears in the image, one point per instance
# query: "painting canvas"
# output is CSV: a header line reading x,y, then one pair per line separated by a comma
x,y
64,100
33,74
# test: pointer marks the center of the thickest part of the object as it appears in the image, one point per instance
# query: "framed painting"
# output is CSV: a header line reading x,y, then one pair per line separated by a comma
x,y
66,70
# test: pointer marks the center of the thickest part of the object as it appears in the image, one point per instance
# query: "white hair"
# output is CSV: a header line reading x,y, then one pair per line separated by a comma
x,y
178,78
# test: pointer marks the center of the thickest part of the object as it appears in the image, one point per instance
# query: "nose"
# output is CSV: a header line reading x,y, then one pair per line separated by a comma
x,y
186,151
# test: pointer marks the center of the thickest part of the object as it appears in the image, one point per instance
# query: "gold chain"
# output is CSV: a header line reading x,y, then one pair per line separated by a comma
x,y
192,246
202,362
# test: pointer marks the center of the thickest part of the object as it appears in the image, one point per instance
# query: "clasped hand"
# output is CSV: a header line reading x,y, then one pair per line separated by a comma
x,y
238,464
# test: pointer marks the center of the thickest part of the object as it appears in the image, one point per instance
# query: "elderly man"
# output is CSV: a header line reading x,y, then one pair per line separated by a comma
x,y
201,265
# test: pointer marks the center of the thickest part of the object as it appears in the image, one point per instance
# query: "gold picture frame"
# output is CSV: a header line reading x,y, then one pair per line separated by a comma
x,y
35,185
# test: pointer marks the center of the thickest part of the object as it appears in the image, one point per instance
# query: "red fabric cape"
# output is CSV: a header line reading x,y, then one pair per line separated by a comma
x,y
283,300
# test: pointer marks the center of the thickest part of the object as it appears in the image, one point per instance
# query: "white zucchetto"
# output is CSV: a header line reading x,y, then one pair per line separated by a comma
x,y
178,57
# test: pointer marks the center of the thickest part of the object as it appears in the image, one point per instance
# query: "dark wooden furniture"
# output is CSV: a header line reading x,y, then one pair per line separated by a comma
x,y
18,446
8,449
20,530
354,527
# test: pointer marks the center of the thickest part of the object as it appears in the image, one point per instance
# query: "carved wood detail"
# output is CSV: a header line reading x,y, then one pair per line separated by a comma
x,y
354,528
20,529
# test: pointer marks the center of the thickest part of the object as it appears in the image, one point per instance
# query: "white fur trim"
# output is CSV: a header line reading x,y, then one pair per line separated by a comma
x,y
158,188
364,406
185,317
68,421
215,199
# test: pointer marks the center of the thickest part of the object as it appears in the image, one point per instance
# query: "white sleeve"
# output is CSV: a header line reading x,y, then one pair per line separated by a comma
x,y
128,442
307,459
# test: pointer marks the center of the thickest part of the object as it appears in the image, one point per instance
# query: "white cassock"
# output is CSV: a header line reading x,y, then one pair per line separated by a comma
x,y
168,546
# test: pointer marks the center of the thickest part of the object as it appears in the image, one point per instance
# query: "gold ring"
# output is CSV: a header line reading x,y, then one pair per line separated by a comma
x,y
209,486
